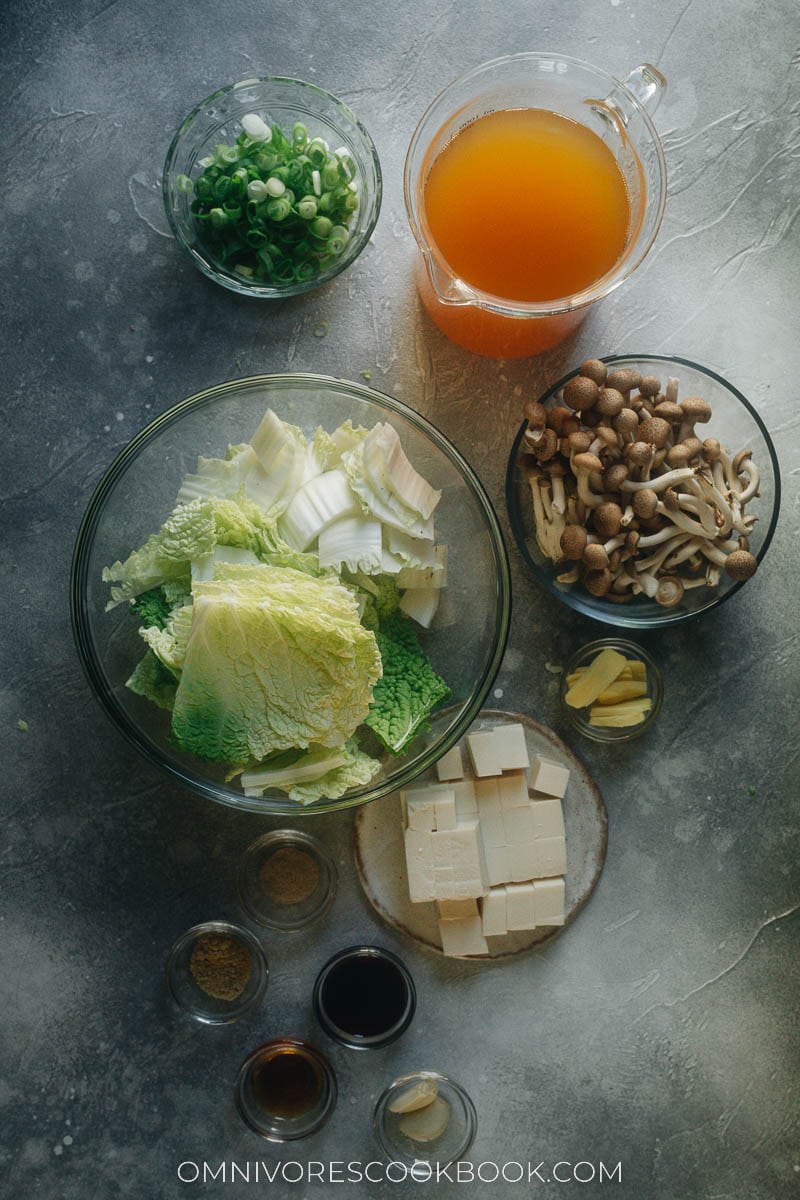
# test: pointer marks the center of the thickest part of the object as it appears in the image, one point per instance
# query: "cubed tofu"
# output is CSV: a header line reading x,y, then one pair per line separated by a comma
x,y
520,909
462,849
445,810
493,913
549,901
421,813
511,748
523,861
466,800
451,765
463,937
549,777
548,818
419,865
456,910
482,754
519,826
512,788
498,865
551,857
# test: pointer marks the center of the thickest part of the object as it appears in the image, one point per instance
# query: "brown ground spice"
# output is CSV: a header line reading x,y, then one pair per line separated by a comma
x,y
289,876
220,965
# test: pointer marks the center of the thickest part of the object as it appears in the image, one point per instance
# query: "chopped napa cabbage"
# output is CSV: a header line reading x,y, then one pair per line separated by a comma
x,y
169,644
315,505
281,452
388,486
381,598
352,542
189,534
430,575
154,681
203,568
421,604
275,659
213,477
318,773
329,447
409,688
152,607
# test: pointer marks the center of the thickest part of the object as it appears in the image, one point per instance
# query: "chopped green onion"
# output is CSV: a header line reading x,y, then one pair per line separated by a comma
x,y
274,206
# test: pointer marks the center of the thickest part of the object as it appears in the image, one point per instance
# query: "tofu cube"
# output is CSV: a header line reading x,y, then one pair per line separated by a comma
x,y
421,814
523,861
520,910
513,790
551,857
498,865
462,850
456,910
493,913
451,765
482,754
511,748
549,777
549,901
466,800
419,865
490,812
445,811
519,825
463,937
548,818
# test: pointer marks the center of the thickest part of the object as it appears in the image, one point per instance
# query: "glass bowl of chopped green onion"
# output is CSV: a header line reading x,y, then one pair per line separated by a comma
x,y
279,584
272,186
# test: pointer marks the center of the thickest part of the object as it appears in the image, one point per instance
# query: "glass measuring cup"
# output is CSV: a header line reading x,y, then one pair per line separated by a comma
x,y
619,113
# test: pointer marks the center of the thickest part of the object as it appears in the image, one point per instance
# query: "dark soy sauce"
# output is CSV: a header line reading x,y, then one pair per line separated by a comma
x,y
365,995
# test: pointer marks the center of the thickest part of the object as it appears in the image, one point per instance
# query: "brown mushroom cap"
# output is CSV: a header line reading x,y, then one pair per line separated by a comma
x,y
557,416
587,462
696,409
669,499
573,542
649,385
624,379
597,582
607,518
655,431
645,503
594,369
668,411
535,413
580,442
595,556
610,402
693,446
678,455
741,564
547,446
669,591
581,393
614,477
711,450
626,422
639,454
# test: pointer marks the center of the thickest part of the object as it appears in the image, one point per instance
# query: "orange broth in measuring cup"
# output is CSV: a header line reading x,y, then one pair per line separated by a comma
x,y
527,205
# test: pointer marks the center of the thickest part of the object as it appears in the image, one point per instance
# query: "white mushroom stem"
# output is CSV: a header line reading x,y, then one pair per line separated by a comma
x,y
614,543
711,490
713,553
671,390
661,482
653,563
702,510
749,468
647,583
570,576
681,520
687,551
627,516
712,576
700,581
544,492
559,495
539,518
622,581
585,494
656,539
728,471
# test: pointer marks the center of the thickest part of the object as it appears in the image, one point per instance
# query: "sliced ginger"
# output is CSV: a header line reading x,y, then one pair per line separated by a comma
x,y
596,678
613,688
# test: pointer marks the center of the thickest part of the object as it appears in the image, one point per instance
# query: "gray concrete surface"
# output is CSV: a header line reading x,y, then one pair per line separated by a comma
x,y
661,1031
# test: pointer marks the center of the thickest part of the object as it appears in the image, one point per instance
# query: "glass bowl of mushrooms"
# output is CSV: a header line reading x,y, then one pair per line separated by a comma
x,y
642,490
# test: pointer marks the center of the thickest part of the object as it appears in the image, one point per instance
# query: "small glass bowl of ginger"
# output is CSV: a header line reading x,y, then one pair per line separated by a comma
x,y
612,690
287,880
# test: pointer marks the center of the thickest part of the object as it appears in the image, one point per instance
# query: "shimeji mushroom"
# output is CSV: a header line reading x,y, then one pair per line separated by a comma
x,y
627,494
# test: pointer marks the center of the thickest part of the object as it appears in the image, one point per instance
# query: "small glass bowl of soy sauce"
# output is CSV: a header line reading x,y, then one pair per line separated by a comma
x,y
285,1090
364,997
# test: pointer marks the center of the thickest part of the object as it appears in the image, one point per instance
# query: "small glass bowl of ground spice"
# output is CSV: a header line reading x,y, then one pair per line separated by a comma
x,y
217,972
287,880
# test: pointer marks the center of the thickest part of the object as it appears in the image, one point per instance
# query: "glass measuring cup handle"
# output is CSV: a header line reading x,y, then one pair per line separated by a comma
x,y
647,85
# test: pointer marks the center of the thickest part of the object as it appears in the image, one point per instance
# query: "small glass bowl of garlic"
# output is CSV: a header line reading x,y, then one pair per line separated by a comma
x,y
426,1121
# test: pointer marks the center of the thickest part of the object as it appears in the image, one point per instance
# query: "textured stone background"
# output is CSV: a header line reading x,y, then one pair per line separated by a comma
x,y
661,1030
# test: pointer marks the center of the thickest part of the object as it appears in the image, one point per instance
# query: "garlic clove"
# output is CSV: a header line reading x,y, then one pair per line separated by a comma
x,y
426,1124
415,1096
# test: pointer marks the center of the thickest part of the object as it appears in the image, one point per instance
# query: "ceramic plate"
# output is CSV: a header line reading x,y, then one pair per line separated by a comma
x,y
380,856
